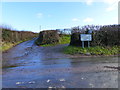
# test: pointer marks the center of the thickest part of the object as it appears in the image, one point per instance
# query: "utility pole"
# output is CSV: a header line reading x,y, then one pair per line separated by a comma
x,y
40,27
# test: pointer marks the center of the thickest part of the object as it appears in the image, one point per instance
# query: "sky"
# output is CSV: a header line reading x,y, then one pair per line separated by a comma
x,y
38,16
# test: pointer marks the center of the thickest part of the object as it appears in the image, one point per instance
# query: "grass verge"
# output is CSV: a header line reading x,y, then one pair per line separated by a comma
x,y
98,50
7,45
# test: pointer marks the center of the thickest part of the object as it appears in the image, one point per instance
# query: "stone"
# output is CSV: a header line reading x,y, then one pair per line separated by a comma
x,y
88,54
48,81
62,79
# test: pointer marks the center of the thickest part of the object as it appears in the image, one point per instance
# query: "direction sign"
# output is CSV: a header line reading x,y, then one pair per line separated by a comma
x,y
86,37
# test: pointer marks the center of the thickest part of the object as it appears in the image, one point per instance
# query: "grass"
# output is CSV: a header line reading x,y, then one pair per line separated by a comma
x,y
98,50
7,45
64,39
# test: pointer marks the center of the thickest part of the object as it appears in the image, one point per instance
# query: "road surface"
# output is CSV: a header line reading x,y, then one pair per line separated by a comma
x,y
29,66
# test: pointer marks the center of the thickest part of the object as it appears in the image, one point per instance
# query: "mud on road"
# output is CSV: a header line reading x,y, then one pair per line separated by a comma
x,y
29,66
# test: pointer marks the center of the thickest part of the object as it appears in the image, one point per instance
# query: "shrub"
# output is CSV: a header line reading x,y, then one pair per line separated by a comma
x,y
101,35
9,35
48,37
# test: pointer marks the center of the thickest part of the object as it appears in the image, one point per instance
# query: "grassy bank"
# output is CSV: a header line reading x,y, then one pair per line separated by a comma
x,y
98,50
64,39
12,37
7,45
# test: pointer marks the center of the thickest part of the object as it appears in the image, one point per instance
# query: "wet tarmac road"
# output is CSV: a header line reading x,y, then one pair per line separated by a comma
x,y
48,67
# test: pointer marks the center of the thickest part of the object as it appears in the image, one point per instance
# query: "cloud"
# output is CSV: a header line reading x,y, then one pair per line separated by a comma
x,y
112,5
88,20
75,19
39,15
89,2
110,1
110,9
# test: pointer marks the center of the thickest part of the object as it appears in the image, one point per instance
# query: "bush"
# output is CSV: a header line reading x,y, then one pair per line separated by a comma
x,y
48,37
101,35
107,36
9,35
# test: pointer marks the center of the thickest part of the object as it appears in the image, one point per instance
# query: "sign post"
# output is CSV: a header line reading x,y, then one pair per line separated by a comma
x,y
85,37
83,44
88,44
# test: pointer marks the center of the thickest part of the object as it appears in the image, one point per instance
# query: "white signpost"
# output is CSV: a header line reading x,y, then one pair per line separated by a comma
x,y
85,37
